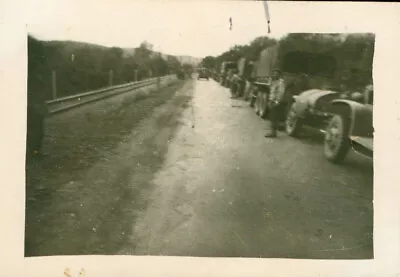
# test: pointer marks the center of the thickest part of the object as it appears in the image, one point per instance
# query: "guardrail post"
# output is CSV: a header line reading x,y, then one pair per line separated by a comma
x,y
54,84
110,78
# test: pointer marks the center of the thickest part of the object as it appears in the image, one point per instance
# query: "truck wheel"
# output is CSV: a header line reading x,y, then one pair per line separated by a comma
x,y
337,142
293,123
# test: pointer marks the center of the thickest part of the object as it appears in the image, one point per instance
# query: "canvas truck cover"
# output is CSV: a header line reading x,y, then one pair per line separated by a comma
x,y
222,69
267,61
242,66
245,67
254,70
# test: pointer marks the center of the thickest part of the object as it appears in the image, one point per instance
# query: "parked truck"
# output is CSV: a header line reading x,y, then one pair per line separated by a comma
x,y
301,70
226,73
242,78
321,93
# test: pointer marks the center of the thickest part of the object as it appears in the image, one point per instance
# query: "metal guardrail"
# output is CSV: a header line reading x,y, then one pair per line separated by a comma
x,y
67,103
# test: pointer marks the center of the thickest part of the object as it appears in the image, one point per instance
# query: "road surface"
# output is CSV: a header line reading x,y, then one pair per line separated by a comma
x,y
193,177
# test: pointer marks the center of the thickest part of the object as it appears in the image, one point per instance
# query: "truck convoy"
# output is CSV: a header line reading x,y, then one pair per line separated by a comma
x,y
317,93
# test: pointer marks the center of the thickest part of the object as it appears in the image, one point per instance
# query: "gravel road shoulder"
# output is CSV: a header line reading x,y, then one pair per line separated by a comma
x,y
81,195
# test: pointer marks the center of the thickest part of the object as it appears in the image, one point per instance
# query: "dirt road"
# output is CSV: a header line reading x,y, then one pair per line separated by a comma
x,y
147,183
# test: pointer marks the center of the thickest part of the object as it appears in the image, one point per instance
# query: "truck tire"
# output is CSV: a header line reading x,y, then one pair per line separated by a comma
x,y
293,123
337,143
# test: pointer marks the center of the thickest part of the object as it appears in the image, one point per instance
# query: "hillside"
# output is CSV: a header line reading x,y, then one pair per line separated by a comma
x,y
81,66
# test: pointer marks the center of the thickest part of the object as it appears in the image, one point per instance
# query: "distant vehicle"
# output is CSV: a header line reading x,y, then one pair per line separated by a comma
x,y
203,74
226,72
230,75
238,84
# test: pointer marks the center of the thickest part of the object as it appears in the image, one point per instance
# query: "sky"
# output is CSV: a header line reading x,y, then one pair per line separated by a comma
x,y
194,28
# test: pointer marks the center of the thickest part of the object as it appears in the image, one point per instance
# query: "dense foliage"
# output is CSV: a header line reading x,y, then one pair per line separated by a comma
x,y
344,57
82,67
250,51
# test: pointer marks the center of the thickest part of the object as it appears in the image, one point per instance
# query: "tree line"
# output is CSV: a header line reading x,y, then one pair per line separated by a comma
x,y
347,56
82,67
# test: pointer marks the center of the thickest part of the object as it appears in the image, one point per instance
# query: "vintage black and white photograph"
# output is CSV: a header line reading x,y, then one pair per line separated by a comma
x,y
203,133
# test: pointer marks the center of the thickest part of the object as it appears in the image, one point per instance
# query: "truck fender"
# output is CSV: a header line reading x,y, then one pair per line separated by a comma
x,y
359,115
300,105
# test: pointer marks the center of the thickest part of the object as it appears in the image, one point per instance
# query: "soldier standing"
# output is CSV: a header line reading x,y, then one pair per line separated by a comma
x,y
276,95
235,84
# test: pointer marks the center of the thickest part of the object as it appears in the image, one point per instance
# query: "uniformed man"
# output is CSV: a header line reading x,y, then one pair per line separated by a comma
x,y
276,95
235,84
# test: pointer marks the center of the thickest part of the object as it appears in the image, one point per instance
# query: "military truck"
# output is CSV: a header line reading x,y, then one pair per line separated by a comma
x,y
301,70
242,78
226,72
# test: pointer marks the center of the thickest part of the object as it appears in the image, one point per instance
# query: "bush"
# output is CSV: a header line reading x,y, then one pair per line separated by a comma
x,y
82,67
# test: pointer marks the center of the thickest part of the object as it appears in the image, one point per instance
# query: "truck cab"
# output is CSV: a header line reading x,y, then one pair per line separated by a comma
x,y
226,72
302,70
242,77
